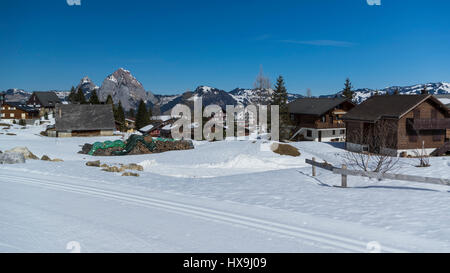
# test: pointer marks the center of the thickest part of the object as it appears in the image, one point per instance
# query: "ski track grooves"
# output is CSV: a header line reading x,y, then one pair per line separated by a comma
x,y
336,241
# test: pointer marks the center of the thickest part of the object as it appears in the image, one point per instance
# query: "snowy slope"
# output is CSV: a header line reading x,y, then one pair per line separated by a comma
x,y
232,190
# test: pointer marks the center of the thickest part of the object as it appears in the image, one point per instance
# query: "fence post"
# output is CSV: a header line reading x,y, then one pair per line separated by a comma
x,y
313,167
344,177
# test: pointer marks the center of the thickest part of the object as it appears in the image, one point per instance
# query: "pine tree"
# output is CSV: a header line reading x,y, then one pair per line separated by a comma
x,y
142,118
79,97
397,91
94,98
280,98
131,113
347,92
109,100
424,90
72,95
119,116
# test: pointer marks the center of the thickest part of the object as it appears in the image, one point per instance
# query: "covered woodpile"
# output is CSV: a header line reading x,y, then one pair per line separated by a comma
x,y
136,145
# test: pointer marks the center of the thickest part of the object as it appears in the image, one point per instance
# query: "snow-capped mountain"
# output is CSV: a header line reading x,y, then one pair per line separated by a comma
x,y
211,95
17,95
124,87
361,95
87,86
252,96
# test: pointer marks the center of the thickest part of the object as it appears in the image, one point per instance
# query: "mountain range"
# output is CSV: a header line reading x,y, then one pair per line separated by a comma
x,y
124,87
363,94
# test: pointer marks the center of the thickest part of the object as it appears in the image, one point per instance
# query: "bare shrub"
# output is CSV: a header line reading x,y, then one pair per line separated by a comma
x,y
379,139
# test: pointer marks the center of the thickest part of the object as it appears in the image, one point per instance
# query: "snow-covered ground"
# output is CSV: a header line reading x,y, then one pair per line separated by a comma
x,y
233,196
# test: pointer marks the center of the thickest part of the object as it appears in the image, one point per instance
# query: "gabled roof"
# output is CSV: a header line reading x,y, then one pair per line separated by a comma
x,y
83,117
314,106
394,106
47,99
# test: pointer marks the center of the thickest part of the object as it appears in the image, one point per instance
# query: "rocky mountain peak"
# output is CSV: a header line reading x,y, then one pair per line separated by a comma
x,y
123,87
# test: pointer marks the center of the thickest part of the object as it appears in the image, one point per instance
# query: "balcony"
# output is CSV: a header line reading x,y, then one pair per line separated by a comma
x,y
431,124
322,125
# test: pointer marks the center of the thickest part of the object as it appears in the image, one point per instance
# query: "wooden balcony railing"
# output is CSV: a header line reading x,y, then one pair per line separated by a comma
x,y
431,124
322,125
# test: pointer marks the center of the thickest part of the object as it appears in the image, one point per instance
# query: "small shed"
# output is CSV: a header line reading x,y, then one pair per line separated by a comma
x,y
74,120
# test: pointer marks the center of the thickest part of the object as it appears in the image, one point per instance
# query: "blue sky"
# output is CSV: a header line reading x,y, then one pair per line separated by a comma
x,y
173,46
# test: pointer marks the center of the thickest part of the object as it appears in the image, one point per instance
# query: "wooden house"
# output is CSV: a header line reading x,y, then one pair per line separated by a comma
x,y
83,120
319,119
16,110
45,102
398,125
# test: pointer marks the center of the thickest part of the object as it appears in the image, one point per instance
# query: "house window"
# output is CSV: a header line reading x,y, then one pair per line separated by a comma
x,y
12,108
11,115
3,108
24,116
309,133
334,132
3,115
365,148
342,132
292,117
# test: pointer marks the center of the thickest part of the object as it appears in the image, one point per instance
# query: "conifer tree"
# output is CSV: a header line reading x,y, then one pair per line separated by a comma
x,y
94,98
131,113
109,100
280,98
142,118
397,91
347,92
119,116
79,98
72,95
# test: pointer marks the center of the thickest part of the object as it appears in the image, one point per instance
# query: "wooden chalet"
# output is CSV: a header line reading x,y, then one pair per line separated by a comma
x,y
45,102
319,119
16,110
398,125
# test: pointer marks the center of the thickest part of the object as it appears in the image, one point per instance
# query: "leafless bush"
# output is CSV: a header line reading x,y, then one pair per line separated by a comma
x,y
379,139
369,162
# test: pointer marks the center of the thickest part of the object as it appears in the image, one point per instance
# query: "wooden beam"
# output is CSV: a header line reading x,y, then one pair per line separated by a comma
x,y
325,166
403,177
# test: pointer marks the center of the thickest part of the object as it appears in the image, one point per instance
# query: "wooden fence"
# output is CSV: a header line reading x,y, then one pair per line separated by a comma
x,y
344,172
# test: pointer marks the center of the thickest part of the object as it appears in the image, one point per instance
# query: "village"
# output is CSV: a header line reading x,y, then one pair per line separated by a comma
x,y
80,147
395,125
